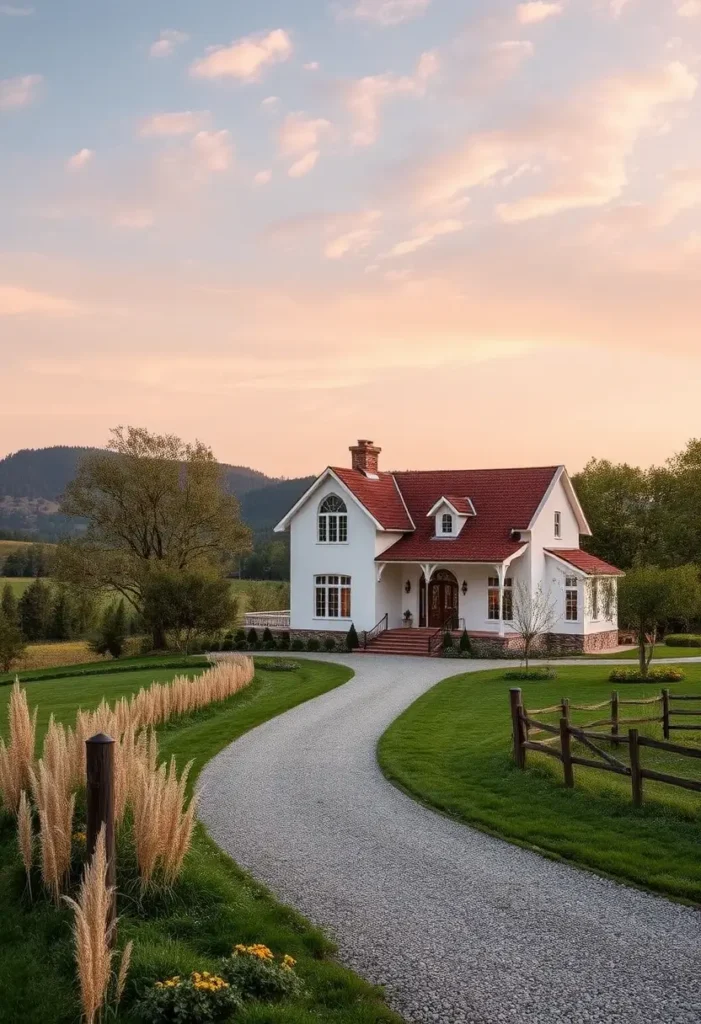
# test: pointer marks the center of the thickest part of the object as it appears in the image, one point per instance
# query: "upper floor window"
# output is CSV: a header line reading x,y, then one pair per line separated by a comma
x,y
493,599
558,524
571,599
332,523
446,523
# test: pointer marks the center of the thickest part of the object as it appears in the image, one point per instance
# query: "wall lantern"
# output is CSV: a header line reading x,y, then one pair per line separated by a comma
x,y
407,587
464,587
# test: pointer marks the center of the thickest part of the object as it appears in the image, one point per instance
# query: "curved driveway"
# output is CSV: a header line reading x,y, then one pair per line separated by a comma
x,y
458,926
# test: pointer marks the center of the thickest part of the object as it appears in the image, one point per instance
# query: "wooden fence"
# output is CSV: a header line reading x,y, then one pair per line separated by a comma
x,y
526,726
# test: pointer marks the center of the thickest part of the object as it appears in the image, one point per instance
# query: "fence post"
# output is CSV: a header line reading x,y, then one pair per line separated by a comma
x,y
635,776
614,717
566,752
665,714
517,725
100,805
565,708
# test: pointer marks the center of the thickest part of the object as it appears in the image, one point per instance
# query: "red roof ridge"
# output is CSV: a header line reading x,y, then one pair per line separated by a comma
x,y
584,560
491,469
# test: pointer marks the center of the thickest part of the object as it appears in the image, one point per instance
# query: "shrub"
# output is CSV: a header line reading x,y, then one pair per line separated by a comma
x,y
313,644
276,665
267,635
284,641
252,637
668,674
522,675
240,645
450,652
683,640
257,974
297,644
465,644
352,641
228,643
329,643
269,645
447,640
201,998
239,635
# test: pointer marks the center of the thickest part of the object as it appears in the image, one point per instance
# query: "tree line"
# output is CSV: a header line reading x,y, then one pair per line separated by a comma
x,y
28,560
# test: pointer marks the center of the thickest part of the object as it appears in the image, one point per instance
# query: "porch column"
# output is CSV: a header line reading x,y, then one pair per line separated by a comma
x,y
428,570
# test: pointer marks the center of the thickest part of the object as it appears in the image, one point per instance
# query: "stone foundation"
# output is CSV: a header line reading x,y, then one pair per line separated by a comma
x,y
319,634
550,645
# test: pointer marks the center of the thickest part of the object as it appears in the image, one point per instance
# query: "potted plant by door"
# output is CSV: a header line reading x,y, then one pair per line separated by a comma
x,y
408,619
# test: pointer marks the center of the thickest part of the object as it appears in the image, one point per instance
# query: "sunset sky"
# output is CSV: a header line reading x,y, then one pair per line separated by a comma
x,y
467,229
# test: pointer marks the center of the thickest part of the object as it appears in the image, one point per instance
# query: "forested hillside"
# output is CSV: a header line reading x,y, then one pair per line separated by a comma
x,y
33,480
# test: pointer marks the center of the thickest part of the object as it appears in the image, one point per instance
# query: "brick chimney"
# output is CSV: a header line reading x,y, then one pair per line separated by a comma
x,y
364,457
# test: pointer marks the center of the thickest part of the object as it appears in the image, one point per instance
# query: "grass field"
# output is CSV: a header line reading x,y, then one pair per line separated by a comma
x,y
8,547
18,584
661,651
452,750
214,904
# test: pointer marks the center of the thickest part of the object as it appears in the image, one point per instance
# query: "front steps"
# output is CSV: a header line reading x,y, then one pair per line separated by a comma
x,y
405,641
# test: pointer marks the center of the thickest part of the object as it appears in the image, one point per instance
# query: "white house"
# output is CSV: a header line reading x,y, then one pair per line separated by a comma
x,y
441,549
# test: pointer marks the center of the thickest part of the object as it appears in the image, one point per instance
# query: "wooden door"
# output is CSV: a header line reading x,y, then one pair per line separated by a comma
x,y
443,600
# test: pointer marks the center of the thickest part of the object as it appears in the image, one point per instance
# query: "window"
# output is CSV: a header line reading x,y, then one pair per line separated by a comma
x,y
595,599
493,599
332,597
332,521
558,525
571,599
447,523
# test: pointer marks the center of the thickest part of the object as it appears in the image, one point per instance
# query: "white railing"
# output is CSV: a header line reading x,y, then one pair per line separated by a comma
x,y
273,620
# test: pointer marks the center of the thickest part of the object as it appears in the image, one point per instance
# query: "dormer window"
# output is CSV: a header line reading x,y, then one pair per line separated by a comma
x,y
332,521
446,523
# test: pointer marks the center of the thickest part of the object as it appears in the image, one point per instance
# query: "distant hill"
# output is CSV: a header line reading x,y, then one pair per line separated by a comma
x,y
32,481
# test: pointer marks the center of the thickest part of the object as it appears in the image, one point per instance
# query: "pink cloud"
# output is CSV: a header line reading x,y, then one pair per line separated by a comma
x,y
535,11
366,96
386,12
183,122
167,43
246,58
80,159
19,92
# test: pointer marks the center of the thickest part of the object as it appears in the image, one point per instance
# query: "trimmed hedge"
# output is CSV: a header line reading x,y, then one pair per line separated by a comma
x,y
520,675
655,675
683,640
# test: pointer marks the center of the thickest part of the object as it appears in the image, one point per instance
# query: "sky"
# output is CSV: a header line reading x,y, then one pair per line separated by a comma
x,y
467,229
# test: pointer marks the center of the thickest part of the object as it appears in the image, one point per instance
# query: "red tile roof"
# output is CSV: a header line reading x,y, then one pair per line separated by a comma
x,y
461,505
585,562
380,497
504,499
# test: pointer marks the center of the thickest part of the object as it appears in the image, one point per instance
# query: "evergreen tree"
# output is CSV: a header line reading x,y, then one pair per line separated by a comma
x,y
352,641
35,610
8,604
12,643
111,632
62,616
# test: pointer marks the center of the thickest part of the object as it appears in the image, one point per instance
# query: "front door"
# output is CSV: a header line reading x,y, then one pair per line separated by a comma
x,y
443,600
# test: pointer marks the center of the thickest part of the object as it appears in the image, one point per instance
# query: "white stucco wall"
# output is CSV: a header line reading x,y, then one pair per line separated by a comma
x,y
309,558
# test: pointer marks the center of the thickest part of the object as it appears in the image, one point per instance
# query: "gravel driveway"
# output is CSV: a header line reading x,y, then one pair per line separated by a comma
x,y
457,925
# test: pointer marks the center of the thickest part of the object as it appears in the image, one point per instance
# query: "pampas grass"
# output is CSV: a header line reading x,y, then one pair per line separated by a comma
x,y
17,757
93,930
56,805
25,837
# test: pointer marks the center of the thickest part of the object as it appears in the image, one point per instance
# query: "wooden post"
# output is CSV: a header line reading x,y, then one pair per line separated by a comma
x,y
100,805
614,717
517,725
665,714
635,776
565,707
566,752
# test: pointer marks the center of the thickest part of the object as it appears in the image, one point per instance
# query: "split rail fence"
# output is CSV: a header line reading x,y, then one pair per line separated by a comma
x,y
526,726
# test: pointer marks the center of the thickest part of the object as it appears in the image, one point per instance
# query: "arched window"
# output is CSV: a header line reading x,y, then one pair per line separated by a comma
x,y
332,521
447,523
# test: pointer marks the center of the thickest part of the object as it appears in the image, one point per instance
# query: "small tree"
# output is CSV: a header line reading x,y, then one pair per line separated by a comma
x,y
534,614
8,604
352,642
649,596
447,640
188,604
12,643
465,644
112,632
35,608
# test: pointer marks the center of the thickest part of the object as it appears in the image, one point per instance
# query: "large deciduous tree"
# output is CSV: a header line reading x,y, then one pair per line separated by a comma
x,y
151,502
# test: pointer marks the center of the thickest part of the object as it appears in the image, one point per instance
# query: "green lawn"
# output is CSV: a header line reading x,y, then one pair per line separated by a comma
x,y
214,904
452,749
661,651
